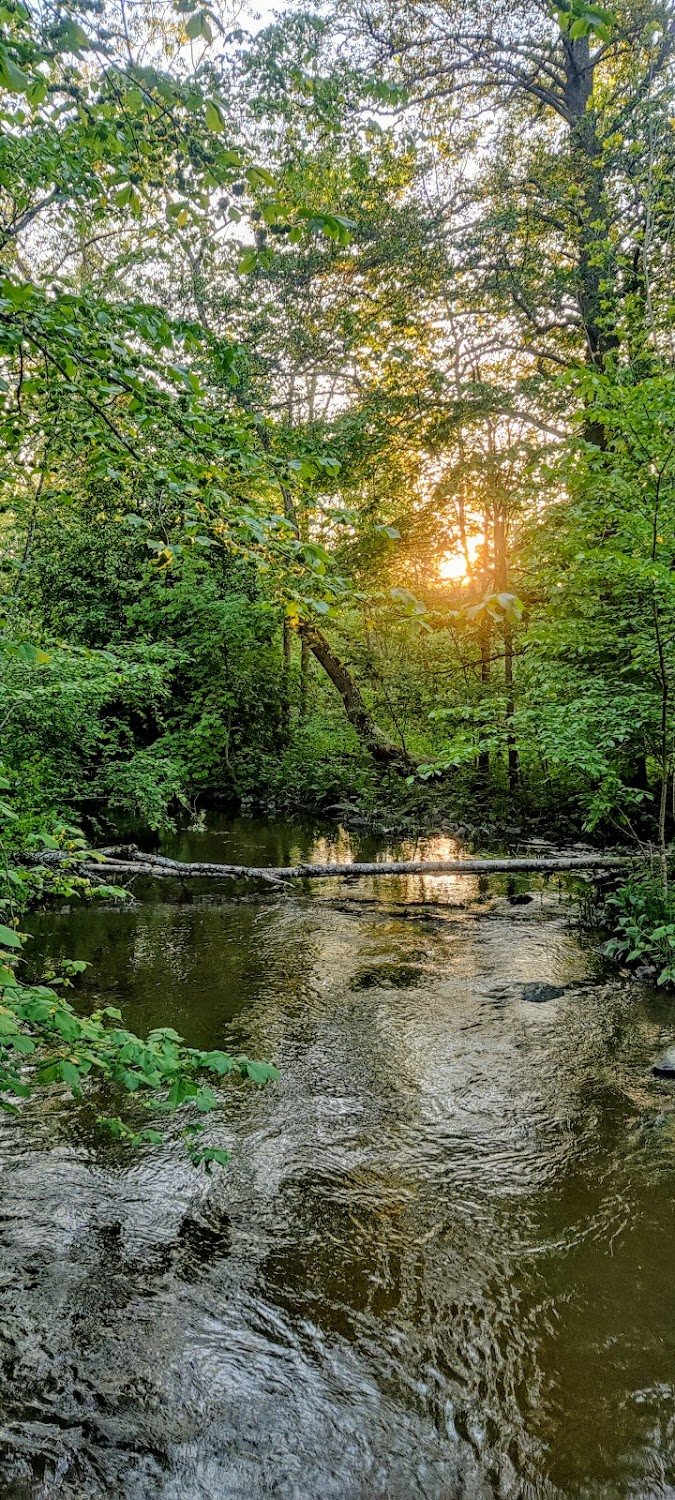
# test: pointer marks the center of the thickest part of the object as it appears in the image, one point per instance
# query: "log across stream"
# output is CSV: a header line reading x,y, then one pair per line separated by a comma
x,y
128,859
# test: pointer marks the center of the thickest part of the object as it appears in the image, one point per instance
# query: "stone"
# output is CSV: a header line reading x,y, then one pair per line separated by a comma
x,y
665,1067
538,994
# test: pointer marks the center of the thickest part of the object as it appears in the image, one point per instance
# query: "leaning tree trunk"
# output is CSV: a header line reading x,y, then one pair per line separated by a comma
x,y
382,749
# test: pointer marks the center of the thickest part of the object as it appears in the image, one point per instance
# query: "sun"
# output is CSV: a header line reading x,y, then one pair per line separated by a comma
x,y
452,566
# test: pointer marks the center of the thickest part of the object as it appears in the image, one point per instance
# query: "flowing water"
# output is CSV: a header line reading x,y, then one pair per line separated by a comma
x,y
440,1265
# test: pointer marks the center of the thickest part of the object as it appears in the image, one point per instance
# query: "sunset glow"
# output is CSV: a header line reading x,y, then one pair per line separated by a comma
x,y
452,566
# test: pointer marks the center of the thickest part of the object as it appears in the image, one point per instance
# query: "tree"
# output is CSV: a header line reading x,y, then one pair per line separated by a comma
x,y
569,78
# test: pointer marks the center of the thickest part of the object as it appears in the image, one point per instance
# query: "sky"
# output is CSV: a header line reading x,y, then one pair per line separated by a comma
x,y
259,13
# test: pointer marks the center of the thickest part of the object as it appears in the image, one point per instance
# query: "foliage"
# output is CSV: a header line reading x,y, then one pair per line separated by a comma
x,y
45,1043
642,917
336,415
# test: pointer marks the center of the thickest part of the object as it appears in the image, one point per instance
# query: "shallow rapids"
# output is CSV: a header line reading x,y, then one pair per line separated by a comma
x,y
440,1265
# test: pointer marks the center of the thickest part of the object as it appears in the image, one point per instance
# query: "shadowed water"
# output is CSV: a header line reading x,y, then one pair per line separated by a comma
x,y
440,1265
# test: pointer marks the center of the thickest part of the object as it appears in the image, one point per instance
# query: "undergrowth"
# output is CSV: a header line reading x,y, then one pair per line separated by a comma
x,y
641,917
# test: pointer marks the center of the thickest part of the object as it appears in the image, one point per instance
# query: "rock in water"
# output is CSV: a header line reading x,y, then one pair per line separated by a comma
x,y
521,899
536,994
665,1067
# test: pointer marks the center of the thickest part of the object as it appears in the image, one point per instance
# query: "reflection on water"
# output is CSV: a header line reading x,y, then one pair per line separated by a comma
x,y
440,1264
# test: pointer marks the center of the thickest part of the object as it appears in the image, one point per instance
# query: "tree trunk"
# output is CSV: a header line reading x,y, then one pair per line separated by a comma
x,y
286,681
485,635
501,584
596,291
484,640
382,749
126,859
665,746
305,658
511,746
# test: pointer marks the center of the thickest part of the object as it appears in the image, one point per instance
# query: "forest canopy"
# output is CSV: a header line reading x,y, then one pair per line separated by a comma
x,y
338,440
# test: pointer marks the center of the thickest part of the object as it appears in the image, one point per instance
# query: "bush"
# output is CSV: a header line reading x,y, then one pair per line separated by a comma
x,y
642,915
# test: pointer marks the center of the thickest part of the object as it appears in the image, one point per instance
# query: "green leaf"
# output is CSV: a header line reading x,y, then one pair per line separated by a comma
x,y
210,1154
261,1072
68,1025
9,938
38,91
132,1081
181,1090
164,1034
198,26
218,1062
71,38
214,118
33,655
12,77
260,175
70,1075
23,1044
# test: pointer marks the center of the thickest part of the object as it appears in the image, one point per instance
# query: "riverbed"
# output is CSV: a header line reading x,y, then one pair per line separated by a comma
x,y
440,1264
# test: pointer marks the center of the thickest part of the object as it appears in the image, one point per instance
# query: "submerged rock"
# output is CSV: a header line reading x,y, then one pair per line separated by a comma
x,y
537,994
388,976
665,1067
522,898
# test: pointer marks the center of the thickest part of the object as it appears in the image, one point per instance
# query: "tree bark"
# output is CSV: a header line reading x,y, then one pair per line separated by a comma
x,y
135,862
596,289
501,584
286,683
511,746
305,656
485,634
382,749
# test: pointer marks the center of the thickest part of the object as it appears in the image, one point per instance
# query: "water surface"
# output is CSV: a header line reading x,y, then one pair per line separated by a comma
x,y
440,1265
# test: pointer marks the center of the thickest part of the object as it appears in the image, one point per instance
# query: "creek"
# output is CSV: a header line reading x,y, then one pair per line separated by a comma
x,y
440,1264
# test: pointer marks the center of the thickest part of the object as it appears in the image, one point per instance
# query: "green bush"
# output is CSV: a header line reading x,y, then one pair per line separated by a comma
x,y
642,915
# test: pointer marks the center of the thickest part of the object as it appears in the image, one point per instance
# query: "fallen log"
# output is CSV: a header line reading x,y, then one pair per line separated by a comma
x,y
154,865
454,867
135,862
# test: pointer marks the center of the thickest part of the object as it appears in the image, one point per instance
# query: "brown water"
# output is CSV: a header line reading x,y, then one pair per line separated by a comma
x,y
440,1266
